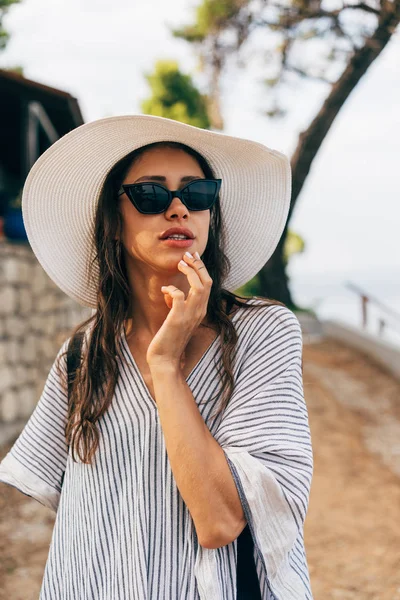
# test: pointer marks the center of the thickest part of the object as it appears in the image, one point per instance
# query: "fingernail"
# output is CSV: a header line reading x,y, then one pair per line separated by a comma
x,y
182,262
197,255
188,254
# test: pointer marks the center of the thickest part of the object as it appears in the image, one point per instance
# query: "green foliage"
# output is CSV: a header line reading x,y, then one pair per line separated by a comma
x,y
4,6
17,69
16,202
4,37
271,81
175,96
276,112
211,16
294,244
190,33
251,288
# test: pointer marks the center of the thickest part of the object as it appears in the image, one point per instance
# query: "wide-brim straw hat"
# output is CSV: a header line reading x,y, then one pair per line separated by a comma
x,y
62,189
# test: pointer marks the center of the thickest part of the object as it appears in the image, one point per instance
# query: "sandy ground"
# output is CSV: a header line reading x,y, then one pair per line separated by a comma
x,y
352,530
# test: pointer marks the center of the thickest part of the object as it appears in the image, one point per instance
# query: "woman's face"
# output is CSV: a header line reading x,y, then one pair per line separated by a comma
x,y
141,233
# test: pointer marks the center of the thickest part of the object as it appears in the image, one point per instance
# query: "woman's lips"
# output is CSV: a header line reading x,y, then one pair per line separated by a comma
x,y
178,243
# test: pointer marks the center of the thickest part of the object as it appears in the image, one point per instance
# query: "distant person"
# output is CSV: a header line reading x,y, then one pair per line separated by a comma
x,y
181,462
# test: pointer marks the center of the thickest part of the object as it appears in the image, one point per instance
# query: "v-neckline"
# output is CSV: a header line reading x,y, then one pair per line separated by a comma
x,y
131,358
195,368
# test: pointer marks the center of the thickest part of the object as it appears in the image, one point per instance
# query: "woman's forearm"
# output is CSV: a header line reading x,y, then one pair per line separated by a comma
x,y
197,461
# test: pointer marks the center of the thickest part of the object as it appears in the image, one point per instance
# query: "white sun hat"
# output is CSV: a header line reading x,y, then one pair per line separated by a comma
x,y
62,189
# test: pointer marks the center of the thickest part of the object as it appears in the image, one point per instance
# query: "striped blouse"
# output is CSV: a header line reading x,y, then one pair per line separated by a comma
x,y
122,530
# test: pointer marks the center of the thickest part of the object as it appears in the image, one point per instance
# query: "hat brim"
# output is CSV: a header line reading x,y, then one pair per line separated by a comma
x,y
62,189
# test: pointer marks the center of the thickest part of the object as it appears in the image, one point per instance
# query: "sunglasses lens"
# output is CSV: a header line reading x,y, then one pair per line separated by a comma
x,y
149,197
152,198
200,195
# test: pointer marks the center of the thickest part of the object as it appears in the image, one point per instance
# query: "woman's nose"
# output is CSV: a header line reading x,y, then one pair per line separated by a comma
x,y
176,207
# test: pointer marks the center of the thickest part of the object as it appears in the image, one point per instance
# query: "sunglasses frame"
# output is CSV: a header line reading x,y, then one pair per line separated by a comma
x,y
127,187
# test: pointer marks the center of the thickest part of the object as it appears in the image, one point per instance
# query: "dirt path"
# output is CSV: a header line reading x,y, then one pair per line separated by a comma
x,y
352,531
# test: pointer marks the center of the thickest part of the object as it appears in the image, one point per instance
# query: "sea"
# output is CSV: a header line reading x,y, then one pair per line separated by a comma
x,y
332,295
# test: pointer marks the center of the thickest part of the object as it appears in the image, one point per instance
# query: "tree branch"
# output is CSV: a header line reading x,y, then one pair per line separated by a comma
x,y
299,14
364,7
306,75
311,139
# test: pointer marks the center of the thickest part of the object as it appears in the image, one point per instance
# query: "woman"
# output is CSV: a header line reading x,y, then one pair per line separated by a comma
x,y
180,463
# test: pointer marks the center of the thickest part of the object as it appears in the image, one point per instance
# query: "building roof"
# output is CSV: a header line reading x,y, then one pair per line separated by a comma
x,y
16,92
62,108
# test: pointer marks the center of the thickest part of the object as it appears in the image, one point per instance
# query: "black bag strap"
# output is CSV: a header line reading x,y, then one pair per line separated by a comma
x,y
247,583
73,358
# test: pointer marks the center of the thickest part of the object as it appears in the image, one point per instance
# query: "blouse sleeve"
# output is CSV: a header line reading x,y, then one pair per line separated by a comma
x,y
36,462
265,435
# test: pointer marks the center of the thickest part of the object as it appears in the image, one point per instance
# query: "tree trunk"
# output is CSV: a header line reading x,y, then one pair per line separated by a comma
x,y
214,99
273,277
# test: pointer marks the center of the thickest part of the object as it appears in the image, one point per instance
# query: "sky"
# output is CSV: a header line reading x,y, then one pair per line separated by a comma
x,y
349,209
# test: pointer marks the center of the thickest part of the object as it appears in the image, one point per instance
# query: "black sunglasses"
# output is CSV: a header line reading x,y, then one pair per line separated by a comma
x,y
154,198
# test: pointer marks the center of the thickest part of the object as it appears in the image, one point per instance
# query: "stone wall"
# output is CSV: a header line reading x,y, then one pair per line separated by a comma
x,y
36,317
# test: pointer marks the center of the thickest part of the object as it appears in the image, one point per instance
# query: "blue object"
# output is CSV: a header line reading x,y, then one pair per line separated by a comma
x,y
14,228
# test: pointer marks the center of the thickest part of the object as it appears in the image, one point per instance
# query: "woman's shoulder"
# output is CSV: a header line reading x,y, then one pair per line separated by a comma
x,y
267,316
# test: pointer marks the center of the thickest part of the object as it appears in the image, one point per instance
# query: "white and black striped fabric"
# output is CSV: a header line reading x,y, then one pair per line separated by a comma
x,y
122,530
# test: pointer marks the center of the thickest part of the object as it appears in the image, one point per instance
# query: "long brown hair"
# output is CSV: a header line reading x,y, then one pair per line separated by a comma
x,y
96,376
